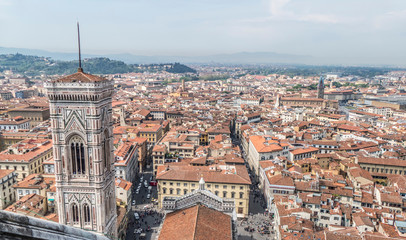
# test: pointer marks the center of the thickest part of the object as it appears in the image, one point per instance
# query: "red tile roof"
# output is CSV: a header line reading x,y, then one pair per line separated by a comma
x,y
81,77
196,223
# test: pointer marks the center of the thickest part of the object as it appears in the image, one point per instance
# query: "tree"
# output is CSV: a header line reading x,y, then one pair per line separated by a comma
x,y
312,87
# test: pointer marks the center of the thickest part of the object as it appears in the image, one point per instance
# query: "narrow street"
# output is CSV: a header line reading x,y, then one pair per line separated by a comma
x,y
149,215
258,225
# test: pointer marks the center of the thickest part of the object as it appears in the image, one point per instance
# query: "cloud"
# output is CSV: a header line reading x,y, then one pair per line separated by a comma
x,y
279,11
390,19
5,2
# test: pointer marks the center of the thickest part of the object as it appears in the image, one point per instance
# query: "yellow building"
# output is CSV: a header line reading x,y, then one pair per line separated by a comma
x,y
7,192
306,164
158,156
26,157
180,94
152,132
225,181
204,139
380,167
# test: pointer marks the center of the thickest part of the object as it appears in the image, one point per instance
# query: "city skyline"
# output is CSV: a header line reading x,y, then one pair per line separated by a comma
x,y
332,33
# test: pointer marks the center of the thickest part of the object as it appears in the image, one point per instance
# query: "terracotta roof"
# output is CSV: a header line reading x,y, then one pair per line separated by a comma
x,y
4,172
81,77
36,181
301,99
382,161
159,148
304,150
389,230
236,174
29,150
126,185
280,180
359,172
196,223
262,145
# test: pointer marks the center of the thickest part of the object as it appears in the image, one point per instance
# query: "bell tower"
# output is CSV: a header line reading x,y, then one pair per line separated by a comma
x,y
320,88
81,121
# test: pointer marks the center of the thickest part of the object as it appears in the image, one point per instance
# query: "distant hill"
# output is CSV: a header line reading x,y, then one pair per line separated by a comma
x,y
234,58
34,65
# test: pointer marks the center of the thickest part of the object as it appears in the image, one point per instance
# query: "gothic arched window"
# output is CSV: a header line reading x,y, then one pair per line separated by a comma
x,y
86,213
77,155
75,213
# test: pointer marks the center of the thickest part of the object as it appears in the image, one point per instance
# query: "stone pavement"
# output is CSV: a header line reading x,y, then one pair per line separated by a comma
x,y
251,228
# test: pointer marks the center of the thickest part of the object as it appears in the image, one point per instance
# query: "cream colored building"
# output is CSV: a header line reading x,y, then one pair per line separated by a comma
x,y
225,181
123,192
26,157
7,192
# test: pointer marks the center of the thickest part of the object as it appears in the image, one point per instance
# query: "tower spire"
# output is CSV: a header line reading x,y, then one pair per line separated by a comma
x,y
80,69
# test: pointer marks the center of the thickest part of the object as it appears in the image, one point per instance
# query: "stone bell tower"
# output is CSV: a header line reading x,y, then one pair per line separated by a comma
x,y
81,120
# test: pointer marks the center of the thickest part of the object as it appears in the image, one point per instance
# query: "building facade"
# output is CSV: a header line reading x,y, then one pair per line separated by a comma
x,y
227,182
7,192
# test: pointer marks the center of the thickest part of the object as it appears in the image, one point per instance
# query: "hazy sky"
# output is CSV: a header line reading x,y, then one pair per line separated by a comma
x,y
351,30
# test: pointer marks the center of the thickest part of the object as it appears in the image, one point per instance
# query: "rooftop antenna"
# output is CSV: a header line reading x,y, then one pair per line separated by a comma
x,y
80,69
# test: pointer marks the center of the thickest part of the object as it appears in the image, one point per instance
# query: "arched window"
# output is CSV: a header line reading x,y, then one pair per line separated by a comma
x,y
75,213
77,155
106,148
177,191
86,213
184,191
164,190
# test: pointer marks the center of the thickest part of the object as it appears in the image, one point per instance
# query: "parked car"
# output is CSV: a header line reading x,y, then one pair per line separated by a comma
x,y
134,202
137,216
148,196
153,183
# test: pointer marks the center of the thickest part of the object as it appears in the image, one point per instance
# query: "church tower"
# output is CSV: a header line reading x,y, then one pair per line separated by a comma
x,y
81,121
320,88
183,85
